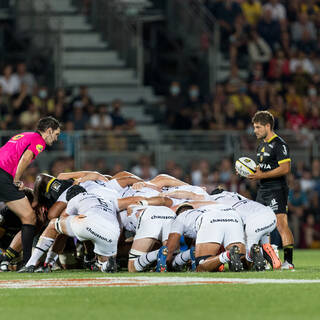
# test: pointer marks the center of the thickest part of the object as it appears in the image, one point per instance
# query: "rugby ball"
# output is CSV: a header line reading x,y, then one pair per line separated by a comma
x,y
245,166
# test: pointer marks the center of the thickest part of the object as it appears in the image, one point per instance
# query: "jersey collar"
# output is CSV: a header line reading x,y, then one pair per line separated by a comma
x,y
274,136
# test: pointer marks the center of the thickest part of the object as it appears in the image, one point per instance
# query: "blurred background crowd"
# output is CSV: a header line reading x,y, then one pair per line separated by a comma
x,y
272,49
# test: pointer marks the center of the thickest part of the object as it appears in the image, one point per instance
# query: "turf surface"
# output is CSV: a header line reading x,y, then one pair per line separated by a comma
x,y
229,301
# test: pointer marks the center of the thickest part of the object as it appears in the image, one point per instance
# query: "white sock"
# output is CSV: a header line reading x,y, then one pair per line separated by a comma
x,y
42,247
145,259
181,258
223,257
51,258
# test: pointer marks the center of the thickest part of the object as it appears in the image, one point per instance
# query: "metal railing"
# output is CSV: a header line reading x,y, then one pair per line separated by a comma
x,y
44,28
183,147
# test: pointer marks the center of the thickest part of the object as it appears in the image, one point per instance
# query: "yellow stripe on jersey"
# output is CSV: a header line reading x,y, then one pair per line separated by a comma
x,y
284,160
272,138
49,184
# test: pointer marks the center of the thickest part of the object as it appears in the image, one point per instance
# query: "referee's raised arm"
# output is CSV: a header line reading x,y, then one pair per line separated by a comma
x,y
15,157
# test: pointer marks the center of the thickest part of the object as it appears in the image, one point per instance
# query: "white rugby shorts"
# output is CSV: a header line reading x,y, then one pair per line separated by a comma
x,y
259,225
100,231
155,222
220,227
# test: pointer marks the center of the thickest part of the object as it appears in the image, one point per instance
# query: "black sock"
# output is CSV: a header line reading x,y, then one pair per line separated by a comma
x,y
11,254
27,234
288,253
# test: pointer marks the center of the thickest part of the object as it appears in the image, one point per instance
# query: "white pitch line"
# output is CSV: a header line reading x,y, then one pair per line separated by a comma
x,y
140,281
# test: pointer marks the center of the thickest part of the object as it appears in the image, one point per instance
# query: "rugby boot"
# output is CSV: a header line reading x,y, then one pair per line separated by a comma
x,y
235,263
257,258
109,266
29,269
162,259
4,266
287,266
193,259
221,268
46,268
271,256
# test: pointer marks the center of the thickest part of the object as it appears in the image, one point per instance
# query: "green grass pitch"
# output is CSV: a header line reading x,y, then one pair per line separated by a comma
x,y
214,301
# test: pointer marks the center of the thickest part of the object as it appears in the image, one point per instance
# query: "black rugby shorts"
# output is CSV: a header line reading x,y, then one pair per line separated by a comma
x,y
8,191
276,199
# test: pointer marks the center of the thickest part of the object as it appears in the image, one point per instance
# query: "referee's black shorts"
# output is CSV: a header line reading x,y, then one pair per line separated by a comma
x,y
8,191
275,198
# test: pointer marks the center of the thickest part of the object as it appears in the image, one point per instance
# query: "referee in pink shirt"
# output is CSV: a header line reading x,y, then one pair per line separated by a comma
x,y
15,157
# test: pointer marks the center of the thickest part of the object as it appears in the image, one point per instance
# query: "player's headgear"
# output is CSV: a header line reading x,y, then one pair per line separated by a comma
x,y
74,191
47,189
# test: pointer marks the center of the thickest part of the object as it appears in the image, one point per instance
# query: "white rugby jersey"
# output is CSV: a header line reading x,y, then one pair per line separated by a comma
x,y
91,204
186,223
243,206
97,187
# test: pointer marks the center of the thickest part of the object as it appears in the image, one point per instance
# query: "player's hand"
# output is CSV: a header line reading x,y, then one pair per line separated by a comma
x,y
138,185
19,184
257,175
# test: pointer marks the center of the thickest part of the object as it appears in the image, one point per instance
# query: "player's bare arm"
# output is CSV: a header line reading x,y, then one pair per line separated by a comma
x,y
180,194
173,244
283,169
22,166
164,180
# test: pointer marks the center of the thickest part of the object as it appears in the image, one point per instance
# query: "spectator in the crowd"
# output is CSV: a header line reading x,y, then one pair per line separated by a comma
x,y
43,101
26,77
79,118
20,101
270,29
9,82
100,118
118,121
311,233
225,170
304,33
144,169
5,116
252,11
29,117
241,100
297,204
61,104
278,11
259,50
194,99
227,12
279,67
82,99
238,40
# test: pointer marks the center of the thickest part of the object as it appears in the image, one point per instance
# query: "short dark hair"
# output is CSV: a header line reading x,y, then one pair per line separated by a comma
x,y
48,122
183,207
264,118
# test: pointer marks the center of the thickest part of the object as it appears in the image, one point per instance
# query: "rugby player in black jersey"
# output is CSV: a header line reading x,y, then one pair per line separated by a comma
x,y
274,164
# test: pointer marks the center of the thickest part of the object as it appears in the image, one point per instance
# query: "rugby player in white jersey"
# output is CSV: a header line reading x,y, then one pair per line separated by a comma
x,y
106,195
259,221
151,221
212,225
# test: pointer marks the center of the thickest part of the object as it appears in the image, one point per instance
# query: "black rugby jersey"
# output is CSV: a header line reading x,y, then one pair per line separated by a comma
x,y
270,155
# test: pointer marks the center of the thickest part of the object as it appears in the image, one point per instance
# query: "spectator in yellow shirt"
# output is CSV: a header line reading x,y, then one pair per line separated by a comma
x,y
252,11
